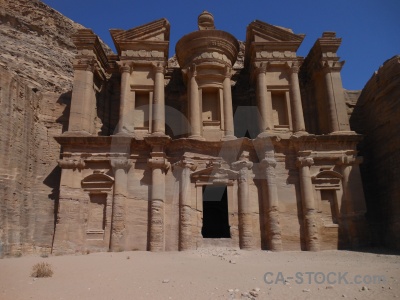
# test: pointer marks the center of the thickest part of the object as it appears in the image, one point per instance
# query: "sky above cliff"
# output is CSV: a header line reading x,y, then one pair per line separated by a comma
x,y
369,28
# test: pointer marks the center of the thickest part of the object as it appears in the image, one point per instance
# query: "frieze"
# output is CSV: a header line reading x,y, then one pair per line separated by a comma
x,y
143,53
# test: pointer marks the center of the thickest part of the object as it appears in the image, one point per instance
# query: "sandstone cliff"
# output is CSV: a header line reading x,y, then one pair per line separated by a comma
x,y
36,73
376,116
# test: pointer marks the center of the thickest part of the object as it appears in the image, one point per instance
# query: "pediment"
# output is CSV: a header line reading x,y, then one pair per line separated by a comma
x,y
153,31
97,182
260,32
150,36
215,174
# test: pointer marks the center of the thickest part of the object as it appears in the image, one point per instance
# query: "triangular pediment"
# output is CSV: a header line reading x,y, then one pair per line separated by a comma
x,y
259,31
153,31
214,173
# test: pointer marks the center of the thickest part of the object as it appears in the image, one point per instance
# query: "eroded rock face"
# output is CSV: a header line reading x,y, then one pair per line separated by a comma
x,y
376,115
36,73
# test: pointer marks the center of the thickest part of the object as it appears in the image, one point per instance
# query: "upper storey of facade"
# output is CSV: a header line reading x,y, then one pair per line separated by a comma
x,y
203,93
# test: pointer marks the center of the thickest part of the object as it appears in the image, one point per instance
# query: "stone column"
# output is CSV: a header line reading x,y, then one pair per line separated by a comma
x,y
81,119
123,105
262,99
351,184
195,108
333,114
120,167
297,108
228,111
245,218
271,202
308,202
264,102
185,209
159,166
159,101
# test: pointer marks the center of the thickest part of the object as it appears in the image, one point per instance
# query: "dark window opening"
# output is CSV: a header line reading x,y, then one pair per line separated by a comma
x,y
215,212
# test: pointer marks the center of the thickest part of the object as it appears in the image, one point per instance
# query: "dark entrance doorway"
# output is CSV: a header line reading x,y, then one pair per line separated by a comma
x,y
215,212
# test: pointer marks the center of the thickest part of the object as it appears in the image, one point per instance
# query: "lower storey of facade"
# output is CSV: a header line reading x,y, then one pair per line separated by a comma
x,y
274,193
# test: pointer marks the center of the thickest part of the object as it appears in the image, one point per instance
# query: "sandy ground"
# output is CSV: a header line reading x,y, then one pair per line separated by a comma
x,y
212,273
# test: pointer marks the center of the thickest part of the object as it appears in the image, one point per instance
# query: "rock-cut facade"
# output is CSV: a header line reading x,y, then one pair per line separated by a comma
x,y
236,144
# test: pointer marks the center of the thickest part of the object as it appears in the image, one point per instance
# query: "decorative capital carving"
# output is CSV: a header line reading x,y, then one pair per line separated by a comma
x,y
328,66
86,64
71,163
185,163
294,67
349,160
304,162
192,71
243,162
125,68
261,68
121,163
268,162
228,72
159,163
159,68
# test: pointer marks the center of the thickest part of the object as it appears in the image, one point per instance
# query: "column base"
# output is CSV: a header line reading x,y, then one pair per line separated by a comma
x,y
228,138
158,134
125,133
300,133
267,133
76,133
349,132
197,137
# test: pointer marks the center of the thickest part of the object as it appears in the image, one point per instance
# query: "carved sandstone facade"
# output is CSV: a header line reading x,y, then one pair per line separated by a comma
x,y
202,150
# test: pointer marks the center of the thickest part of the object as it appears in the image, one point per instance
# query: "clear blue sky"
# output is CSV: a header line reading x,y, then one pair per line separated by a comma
x,y
370,29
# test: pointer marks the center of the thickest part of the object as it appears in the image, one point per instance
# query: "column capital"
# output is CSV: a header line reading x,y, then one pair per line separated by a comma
x,y
86,64
71,164
159,163
242,164
260,68
185,163
159,68
329,66
125,68
268,162
228,72
192,71
121,163
294,67
349,160
305,161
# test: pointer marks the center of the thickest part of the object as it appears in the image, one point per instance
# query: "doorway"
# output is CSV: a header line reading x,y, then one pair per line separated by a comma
x,y
215,212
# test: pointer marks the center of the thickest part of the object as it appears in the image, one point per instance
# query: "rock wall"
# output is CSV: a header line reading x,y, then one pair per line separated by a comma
x,y
376,115
36,73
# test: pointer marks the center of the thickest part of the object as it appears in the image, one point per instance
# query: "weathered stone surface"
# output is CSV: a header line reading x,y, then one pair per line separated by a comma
x,y
376,115
290,178
36,54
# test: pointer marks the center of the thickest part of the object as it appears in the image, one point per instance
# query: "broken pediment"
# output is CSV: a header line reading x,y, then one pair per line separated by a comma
x,y
259,32
156,32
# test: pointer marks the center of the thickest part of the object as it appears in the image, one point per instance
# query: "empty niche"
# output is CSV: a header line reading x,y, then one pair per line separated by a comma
x,y
142,110
211,107
279,110
328,206
97,216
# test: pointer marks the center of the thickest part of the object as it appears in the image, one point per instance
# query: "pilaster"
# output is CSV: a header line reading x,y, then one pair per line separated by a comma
x,y
245,218
308,203
271,203
121,166
185,167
